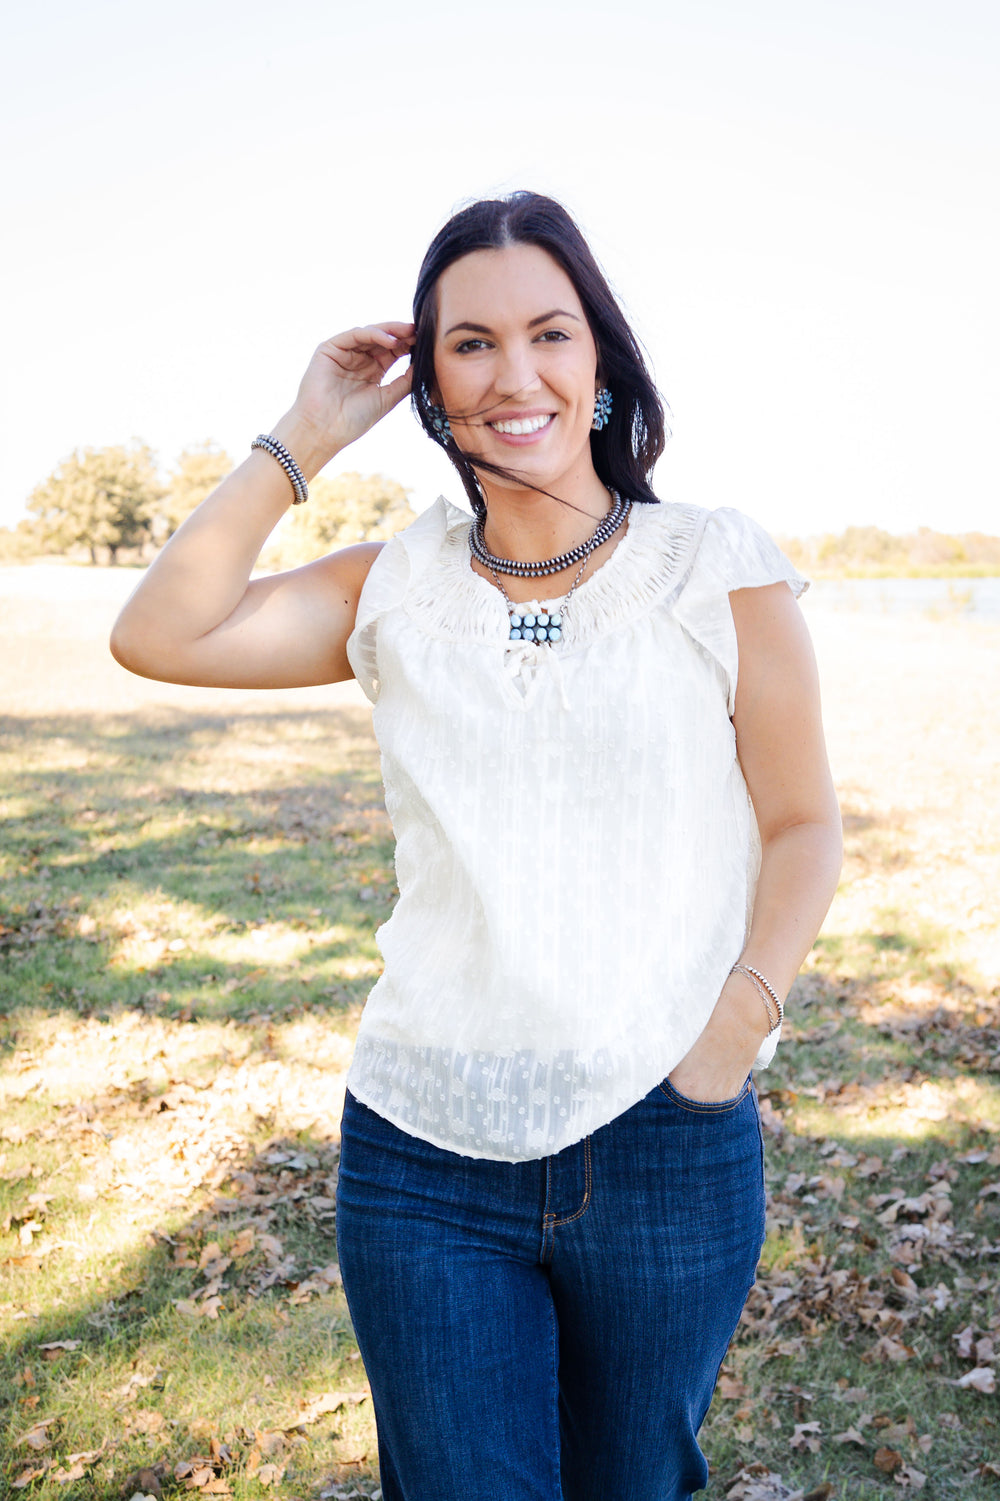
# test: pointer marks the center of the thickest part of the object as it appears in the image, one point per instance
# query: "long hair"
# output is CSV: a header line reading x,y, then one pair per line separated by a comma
x,y
623,452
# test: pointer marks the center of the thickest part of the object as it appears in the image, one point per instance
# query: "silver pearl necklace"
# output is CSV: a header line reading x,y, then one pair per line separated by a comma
x,y
514,568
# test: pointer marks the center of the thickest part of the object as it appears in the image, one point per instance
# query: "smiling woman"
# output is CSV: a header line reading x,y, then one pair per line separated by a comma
x,y
525,381
616,838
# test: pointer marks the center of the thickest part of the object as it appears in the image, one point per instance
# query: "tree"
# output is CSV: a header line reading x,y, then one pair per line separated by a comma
x,y
98,497
341,510
197,472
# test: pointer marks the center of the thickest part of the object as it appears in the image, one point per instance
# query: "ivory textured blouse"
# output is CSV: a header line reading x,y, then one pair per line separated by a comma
x,y
575,847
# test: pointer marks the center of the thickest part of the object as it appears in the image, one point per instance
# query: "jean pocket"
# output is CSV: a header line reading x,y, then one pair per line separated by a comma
x,y
704,1107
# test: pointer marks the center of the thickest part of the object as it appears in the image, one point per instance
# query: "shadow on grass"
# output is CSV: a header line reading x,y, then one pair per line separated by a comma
x,y
180,1347
142,849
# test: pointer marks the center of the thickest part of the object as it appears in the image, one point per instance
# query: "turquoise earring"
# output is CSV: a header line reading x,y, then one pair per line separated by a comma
x,y
602,409
439,421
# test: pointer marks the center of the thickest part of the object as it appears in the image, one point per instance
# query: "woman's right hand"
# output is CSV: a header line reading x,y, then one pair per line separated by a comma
x,y
341,394
196,617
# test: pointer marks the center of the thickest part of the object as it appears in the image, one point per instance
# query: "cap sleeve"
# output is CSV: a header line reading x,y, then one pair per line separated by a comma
x,y
402,560
734,553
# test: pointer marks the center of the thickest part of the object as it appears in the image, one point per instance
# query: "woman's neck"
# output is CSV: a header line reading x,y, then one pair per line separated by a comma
x,y
530,526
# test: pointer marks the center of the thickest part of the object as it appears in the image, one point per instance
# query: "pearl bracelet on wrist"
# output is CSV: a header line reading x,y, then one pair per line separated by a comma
x,y
280,453
767,993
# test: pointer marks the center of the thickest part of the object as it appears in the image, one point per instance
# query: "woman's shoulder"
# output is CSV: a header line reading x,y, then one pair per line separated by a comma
x,y
722,548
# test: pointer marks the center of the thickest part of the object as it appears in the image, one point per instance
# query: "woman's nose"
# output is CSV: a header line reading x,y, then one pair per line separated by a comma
x,y
517,371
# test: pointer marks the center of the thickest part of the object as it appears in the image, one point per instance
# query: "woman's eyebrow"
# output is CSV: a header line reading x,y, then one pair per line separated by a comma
x,y
480,328
557,312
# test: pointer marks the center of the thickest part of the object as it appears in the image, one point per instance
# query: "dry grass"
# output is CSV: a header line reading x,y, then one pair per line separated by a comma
x,y
191,880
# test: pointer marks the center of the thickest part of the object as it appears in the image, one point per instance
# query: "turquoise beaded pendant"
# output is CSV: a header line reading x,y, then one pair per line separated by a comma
x,y
534,623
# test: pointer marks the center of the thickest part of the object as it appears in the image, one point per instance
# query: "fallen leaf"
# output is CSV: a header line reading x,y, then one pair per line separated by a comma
x,y
896,1433
805,1437
269,1473
147,1420
887,1348
52,1349
982,1379
888,1460
327,1402
755,1482
194,1476
27,1476
198,1308
964,1340
85,1456
910,1479
221,1453
850,1436
730,1387
63,1477
905,1284
36,1437
243,1244
198,1463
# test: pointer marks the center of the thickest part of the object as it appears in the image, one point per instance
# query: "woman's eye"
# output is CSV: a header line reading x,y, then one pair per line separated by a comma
x,y
553,335
469,346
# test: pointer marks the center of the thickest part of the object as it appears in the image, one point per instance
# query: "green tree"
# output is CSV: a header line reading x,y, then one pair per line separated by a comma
x,y
98,498
197,472
341,510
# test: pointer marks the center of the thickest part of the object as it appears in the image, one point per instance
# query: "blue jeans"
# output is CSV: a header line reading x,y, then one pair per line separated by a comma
x,y
551,1330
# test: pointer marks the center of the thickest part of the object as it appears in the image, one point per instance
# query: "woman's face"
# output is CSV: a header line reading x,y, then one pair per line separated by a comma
x,y
516,364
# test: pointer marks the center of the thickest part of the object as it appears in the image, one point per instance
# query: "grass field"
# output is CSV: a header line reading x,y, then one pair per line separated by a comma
x,y
191,881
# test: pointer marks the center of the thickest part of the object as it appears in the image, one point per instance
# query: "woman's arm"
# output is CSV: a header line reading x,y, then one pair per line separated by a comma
x,y
196,617
779,740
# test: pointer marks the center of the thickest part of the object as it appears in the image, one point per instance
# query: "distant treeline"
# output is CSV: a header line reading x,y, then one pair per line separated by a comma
x,y
869,552
113,504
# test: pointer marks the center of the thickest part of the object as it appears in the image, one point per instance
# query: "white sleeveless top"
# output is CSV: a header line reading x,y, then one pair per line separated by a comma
x,y
575,847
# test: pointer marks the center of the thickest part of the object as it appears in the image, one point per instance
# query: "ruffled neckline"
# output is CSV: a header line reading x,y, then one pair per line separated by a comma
x,y
651,560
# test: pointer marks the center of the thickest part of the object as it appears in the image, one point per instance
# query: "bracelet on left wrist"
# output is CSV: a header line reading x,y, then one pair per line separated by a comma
x,y
773,1004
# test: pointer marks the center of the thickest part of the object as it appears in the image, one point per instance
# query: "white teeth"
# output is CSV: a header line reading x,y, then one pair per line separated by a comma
x,y
520,426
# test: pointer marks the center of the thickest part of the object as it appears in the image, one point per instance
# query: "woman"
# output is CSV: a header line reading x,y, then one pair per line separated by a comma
x,y
551,1194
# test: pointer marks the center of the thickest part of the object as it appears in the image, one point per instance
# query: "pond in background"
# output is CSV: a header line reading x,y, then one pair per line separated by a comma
x,y
975,599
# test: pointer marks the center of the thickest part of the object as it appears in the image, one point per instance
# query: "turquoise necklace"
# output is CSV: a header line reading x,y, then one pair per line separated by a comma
x,y
533,621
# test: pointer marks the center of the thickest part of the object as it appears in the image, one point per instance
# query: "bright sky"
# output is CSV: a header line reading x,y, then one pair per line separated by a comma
x,y
797,201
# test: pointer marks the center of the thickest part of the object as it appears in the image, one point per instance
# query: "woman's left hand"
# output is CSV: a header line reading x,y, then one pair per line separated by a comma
x,y
716,1068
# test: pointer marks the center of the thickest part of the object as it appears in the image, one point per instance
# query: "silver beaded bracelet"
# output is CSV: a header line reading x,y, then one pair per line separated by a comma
x,y
766,991
279,452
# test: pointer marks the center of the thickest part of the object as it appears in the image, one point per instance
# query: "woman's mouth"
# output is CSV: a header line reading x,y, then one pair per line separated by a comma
x,y
522,427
